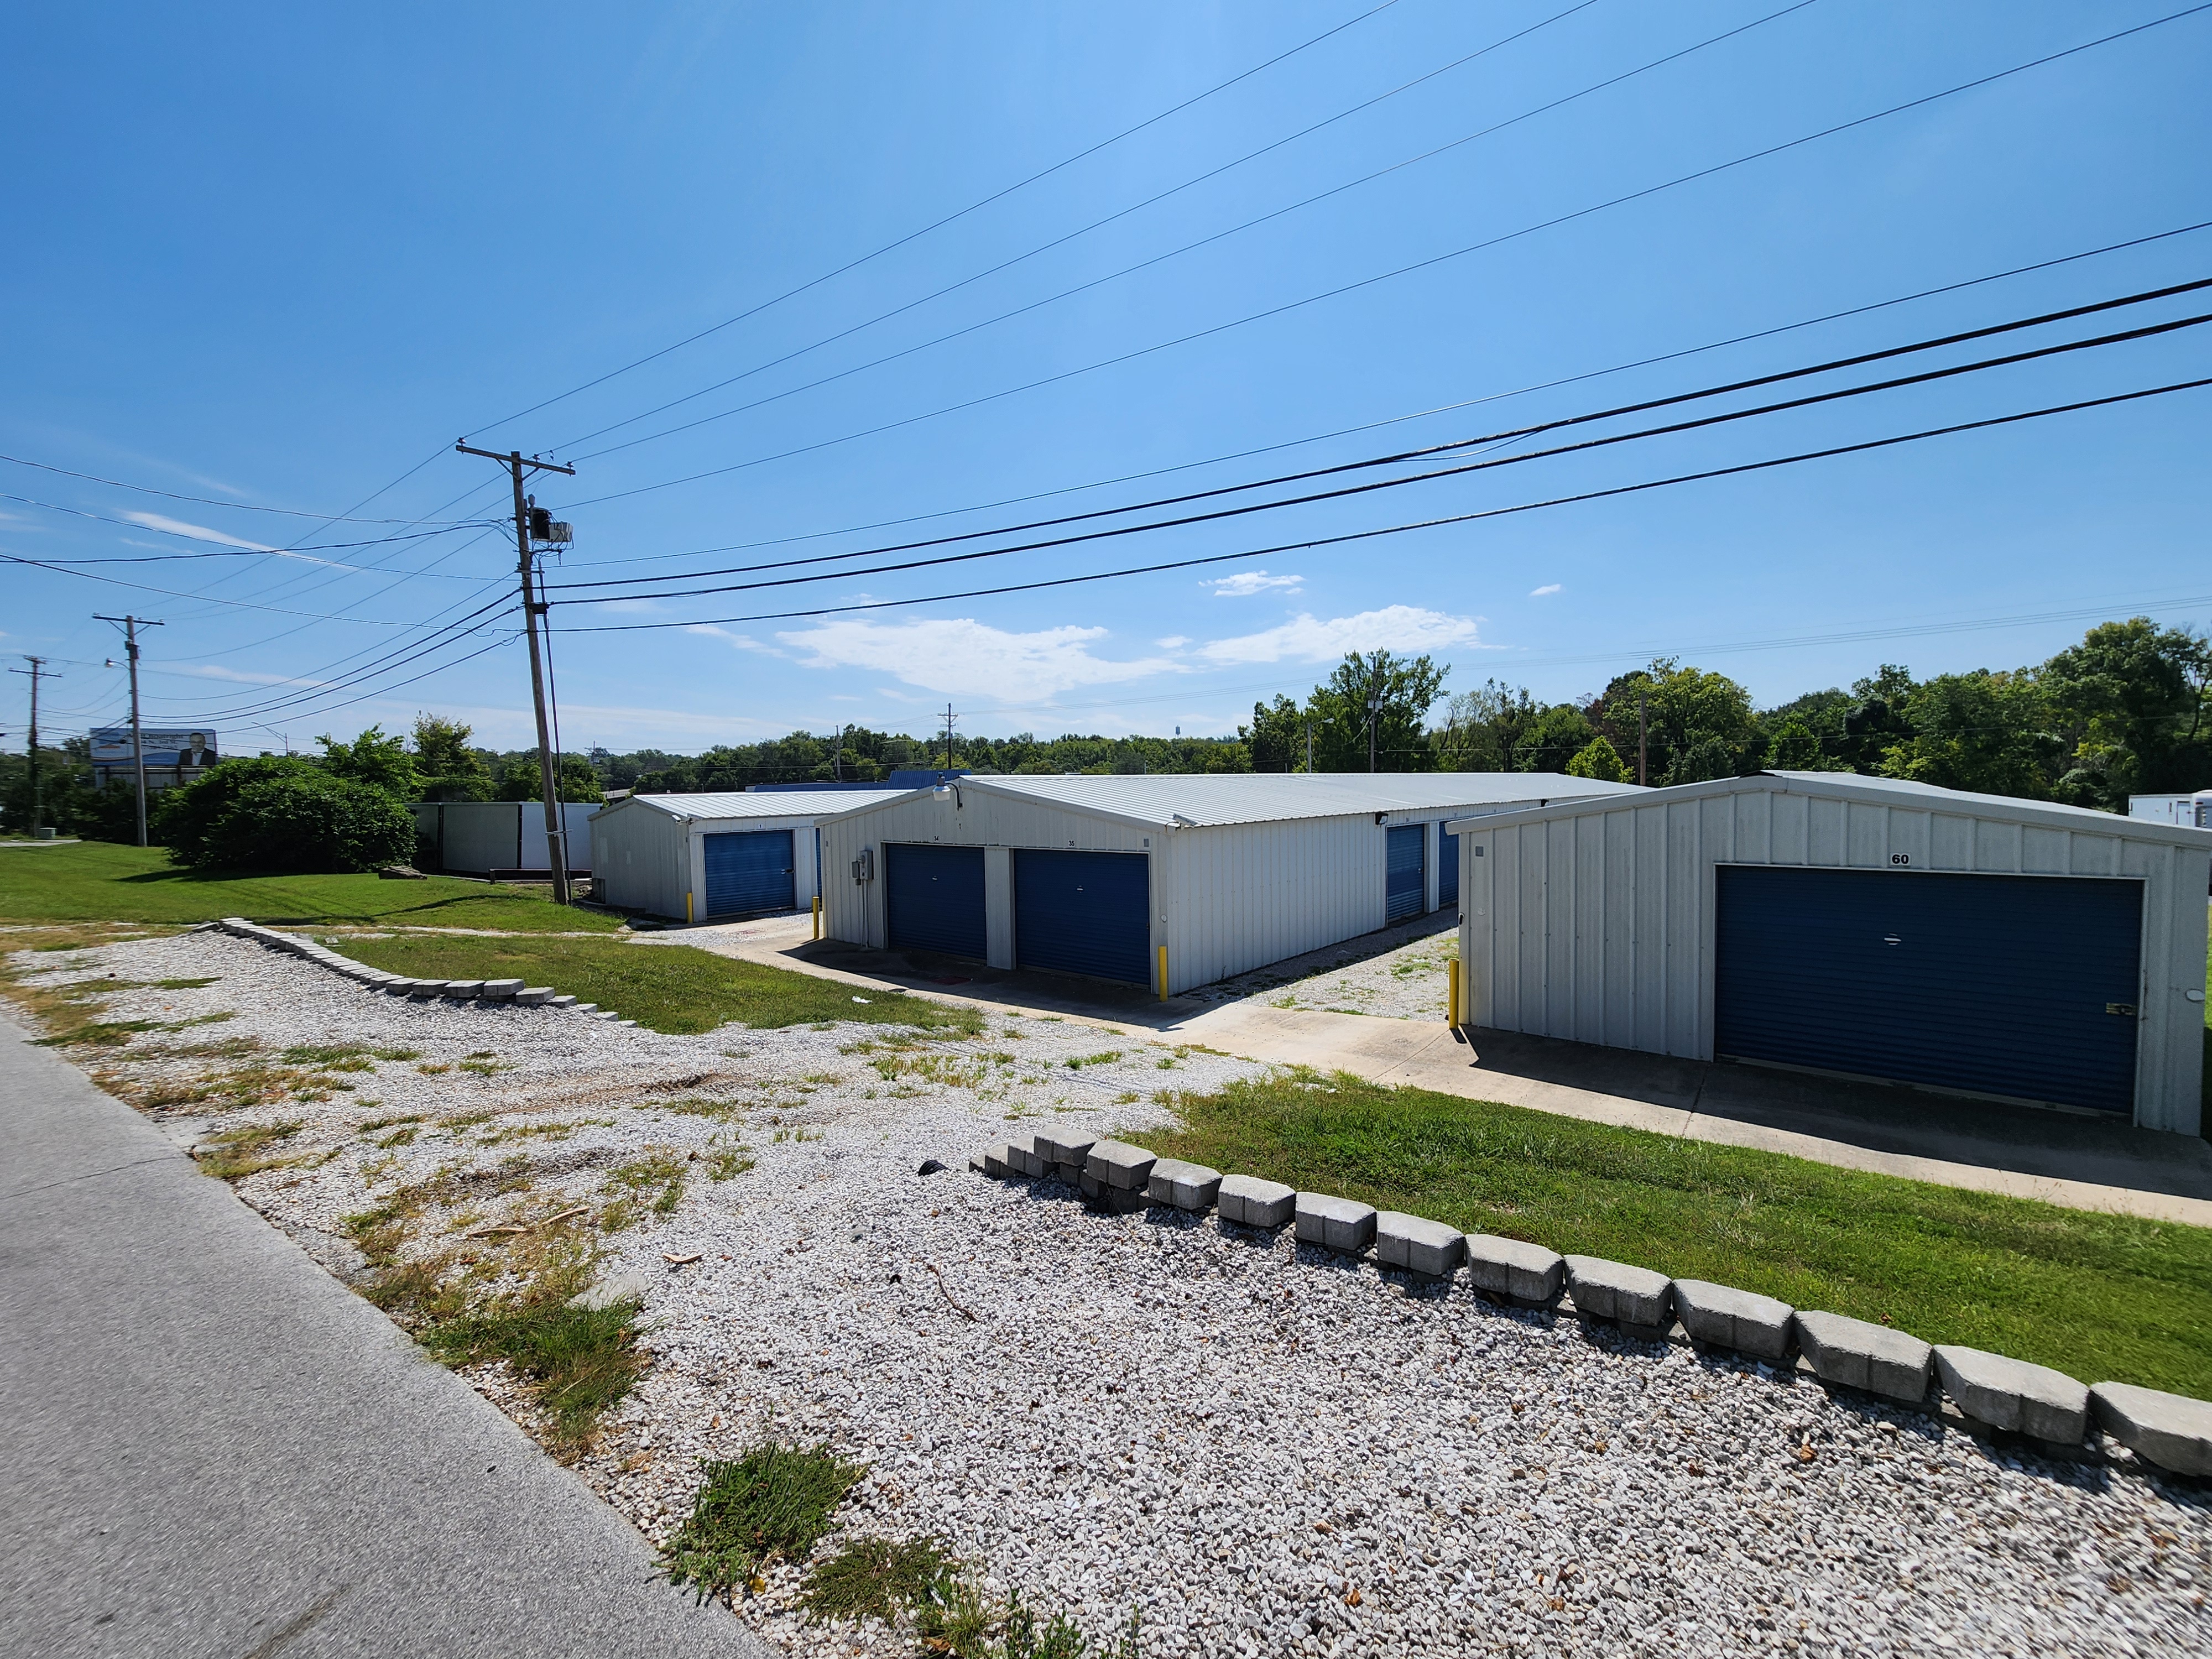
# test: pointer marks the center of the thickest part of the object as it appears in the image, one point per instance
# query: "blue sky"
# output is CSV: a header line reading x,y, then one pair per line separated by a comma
x,y
283,257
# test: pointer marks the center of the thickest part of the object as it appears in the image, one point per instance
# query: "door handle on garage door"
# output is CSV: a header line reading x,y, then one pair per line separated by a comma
x,y
2125,1010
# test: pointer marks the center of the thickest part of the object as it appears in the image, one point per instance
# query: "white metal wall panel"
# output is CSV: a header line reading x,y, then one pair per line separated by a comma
x,y
1595,920
639,860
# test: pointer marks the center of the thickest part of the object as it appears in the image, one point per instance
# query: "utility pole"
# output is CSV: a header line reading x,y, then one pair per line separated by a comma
x,y
557,851
31,751
948,737
1374,720
1309,744
1643,726
131,627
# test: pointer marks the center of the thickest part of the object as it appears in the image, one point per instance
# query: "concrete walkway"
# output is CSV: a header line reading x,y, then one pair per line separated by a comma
x,y
2079,1161
213,1447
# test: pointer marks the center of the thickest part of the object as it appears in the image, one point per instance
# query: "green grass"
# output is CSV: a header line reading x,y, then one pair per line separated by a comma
x,y
99,881
876,1578
773,1501
580,1361
669,988
2099,1296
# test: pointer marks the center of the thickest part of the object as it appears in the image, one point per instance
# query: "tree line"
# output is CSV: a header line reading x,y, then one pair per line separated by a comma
x,y
2120,713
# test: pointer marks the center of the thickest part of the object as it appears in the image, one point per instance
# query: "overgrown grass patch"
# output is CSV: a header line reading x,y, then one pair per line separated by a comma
x,y
674,988
2099,1297
580,1361
239,1152
877,1578
775,1501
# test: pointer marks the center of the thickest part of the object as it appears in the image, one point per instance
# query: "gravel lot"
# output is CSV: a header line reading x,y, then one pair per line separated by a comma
x,y
1264,1449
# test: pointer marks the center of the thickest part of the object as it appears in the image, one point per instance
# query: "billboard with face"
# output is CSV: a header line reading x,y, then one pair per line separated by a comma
x,y
174,754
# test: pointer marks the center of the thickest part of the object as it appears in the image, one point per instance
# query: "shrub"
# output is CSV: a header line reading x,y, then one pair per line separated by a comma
x,y
1600,760
285,814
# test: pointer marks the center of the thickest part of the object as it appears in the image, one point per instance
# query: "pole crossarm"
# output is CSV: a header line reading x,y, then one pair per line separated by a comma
x,y
516,457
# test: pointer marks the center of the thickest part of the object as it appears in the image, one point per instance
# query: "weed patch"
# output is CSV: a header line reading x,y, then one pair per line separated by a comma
x,y
876,1578
775,1501
238,1154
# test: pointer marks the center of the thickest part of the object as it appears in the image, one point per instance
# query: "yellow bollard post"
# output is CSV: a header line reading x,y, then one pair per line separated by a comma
x,y
687,910
1163,973
817,915
1452,1010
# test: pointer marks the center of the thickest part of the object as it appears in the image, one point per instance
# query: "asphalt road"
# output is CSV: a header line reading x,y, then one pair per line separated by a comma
x,y
208,1446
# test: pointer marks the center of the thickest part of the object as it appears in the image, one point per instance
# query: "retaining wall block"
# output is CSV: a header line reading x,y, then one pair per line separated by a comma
x,y
2169,1429
992,1161
402,986
1185,1186
426,988
1512,1268
500,990
1071,1173
1862,1355
1120,1165
1419,1246
564,999
1251,1202
1024,1161
1616,1291
2011,1393
1064,1146
1103,1195
577,1007
1335,1224
1729,1318
463,990
531,996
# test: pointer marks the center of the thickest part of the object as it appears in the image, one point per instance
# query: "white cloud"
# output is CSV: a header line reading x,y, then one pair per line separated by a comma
x,y
1306,639
243,677
197,532
1173,642
1538,592
631,607
964,657
1245,583
742,641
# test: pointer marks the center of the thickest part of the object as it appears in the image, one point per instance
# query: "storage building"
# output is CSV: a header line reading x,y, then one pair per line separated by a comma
x,y
1098,875
1862,926
482,837
697,857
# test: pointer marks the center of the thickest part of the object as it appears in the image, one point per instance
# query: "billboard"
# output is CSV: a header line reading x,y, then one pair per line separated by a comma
x,y
174,754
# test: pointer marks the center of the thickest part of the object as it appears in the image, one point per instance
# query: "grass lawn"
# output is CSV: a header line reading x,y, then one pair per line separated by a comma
x,y
100,881
2099,1296
670,988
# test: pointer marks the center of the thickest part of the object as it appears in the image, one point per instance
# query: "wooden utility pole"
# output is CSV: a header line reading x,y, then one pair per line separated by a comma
x,y
948,737
131,627
1643,725
557,851
31,750
1309,744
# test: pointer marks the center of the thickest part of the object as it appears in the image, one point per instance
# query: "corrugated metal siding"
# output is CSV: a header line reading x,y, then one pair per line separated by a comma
x,y
1405,883
749,870
641,861
1630,965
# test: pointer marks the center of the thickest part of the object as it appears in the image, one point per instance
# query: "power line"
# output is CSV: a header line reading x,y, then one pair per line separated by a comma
x,y
1187,520
1394,419
1421,265
201,500
1147,263
1150,201
1423,524
939,224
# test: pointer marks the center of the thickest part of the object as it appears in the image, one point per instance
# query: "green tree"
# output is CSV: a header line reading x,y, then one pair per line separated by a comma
x,y
1276,739
1558,735
522,778
1598,759
1404,688
1986,732
446,767
1876,722
374,759
1698,723
1481,728
1795,746
2128,703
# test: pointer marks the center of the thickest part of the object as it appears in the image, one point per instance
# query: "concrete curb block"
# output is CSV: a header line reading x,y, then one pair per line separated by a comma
x,y
399,985
2168,1431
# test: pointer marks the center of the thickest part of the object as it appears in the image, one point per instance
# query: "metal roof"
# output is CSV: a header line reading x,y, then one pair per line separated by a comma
x,y
1204,799
767,803
1899,792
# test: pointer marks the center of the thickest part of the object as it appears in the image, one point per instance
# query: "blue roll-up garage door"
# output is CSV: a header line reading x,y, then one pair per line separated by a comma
x,y
749,871
1083,912
1447,868
1405,887
934,898
2023,986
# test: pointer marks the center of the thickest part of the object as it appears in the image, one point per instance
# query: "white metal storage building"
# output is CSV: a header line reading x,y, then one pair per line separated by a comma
x,y
474,837
1864,927
1095,875
700,856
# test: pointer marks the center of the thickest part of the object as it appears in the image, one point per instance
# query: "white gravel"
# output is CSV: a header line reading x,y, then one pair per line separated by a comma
x,y
1393,973
1267,1450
